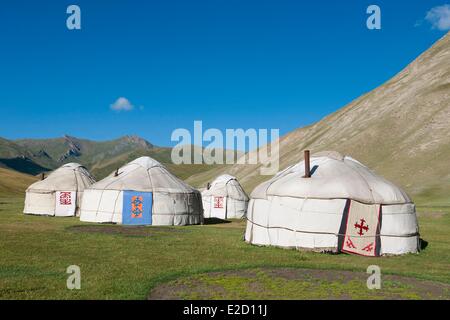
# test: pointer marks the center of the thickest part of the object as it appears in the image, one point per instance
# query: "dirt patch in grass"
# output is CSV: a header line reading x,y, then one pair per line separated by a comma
x,y
291,283
195,289
135,231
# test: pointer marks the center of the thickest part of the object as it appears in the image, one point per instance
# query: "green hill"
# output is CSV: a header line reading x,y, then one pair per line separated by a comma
x,y
101,157
400,129
13,182
34,156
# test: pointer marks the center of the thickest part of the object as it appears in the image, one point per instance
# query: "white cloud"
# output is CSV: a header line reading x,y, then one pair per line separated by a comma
x,y
439,17
122,104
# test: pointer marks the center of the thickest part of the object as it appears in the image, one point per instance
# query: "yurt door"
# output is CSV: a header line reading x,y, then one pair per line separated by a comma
x,y
360,229
219,207
137,208
65,205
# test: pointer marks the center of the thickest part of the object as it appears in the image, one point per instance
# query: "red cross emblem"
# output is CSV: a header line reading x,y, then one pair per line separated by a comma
x,y
361,227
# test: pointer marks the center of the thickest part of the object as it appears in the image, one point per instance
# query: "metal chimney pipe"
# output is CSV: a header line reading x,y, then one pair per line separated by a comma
x,y
307,164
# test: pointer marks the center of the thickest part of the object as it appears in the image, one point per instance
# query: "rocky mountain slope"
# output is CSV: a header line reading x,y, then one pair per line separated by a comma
x,y
401,130
33,156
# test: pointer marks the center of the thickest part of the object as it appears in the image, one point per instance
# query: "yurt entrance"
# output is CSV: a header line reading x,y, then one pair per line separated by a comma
x,y
137,208
65,203
219,207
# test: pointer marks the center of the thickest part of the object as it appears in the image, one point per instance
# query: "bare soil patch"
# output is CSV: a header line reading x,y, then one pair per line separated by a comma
x,y
136,231
291,283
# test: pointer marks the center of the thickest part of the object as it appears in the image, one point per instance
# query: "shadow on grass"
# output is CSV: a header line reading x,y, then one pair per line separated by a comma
x,y
423,244
143,231
215,221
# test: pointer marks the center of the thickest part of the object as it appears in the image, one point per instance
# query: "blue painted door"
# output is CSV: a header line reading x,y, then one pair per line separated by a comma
x,y
137,208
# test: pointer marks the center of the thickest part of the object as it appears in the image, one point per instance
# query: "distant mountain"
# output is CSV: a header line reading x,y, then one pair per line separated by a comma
x,y
401,130
101,157
9,149
67,148
18,158
34,156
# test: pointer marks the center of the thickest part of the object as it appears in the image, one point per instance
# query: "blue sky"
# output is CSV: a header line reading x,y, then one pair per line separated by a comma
x,y
230,63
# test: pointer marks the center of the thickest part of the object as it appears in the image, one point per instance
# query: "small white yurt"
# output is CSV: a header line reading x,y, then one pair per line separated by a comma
x,y
224,198
142,192
340,206
60,193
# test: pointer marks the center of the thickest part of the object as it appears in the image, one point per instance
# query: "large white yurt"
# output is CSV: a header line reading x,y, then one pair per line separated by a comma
x,y
224,198
340,206
142,192
60,193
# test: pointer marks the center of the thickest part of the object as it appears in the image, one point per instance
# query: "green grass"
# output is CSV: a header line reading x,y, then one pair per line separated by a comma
x,y
35,252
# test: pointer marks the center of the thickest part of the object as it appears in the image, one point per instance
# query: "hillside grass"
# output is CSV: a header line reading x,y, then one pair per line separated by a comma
x,y
13,182
35,252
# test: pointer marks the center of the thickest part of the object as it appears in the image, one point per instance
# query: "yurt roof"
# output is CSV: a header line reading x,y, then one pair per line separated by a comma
x,y
145,162
219,188
143,174
69,177
71,166
224,178
333,176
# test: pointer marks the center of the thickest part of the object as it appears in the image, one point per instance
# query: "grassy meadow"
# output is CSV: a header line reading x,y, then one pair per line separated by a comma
x,y
201,262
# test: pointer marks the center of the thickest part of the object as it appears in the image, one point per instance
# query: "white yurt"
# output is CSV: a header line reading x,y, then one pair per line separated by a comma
x,y
340,206
224,198
60,193
142,192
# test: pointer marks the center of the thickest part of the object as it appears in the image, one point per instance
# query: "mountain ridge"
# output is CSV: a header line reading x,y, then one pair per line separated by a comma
x,y
33,156
47,154
400,130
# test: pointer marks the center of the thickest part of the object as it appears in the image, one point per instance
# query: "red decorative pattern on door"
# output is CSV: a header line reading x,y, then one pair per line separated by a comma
x,y
218,202
65,198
